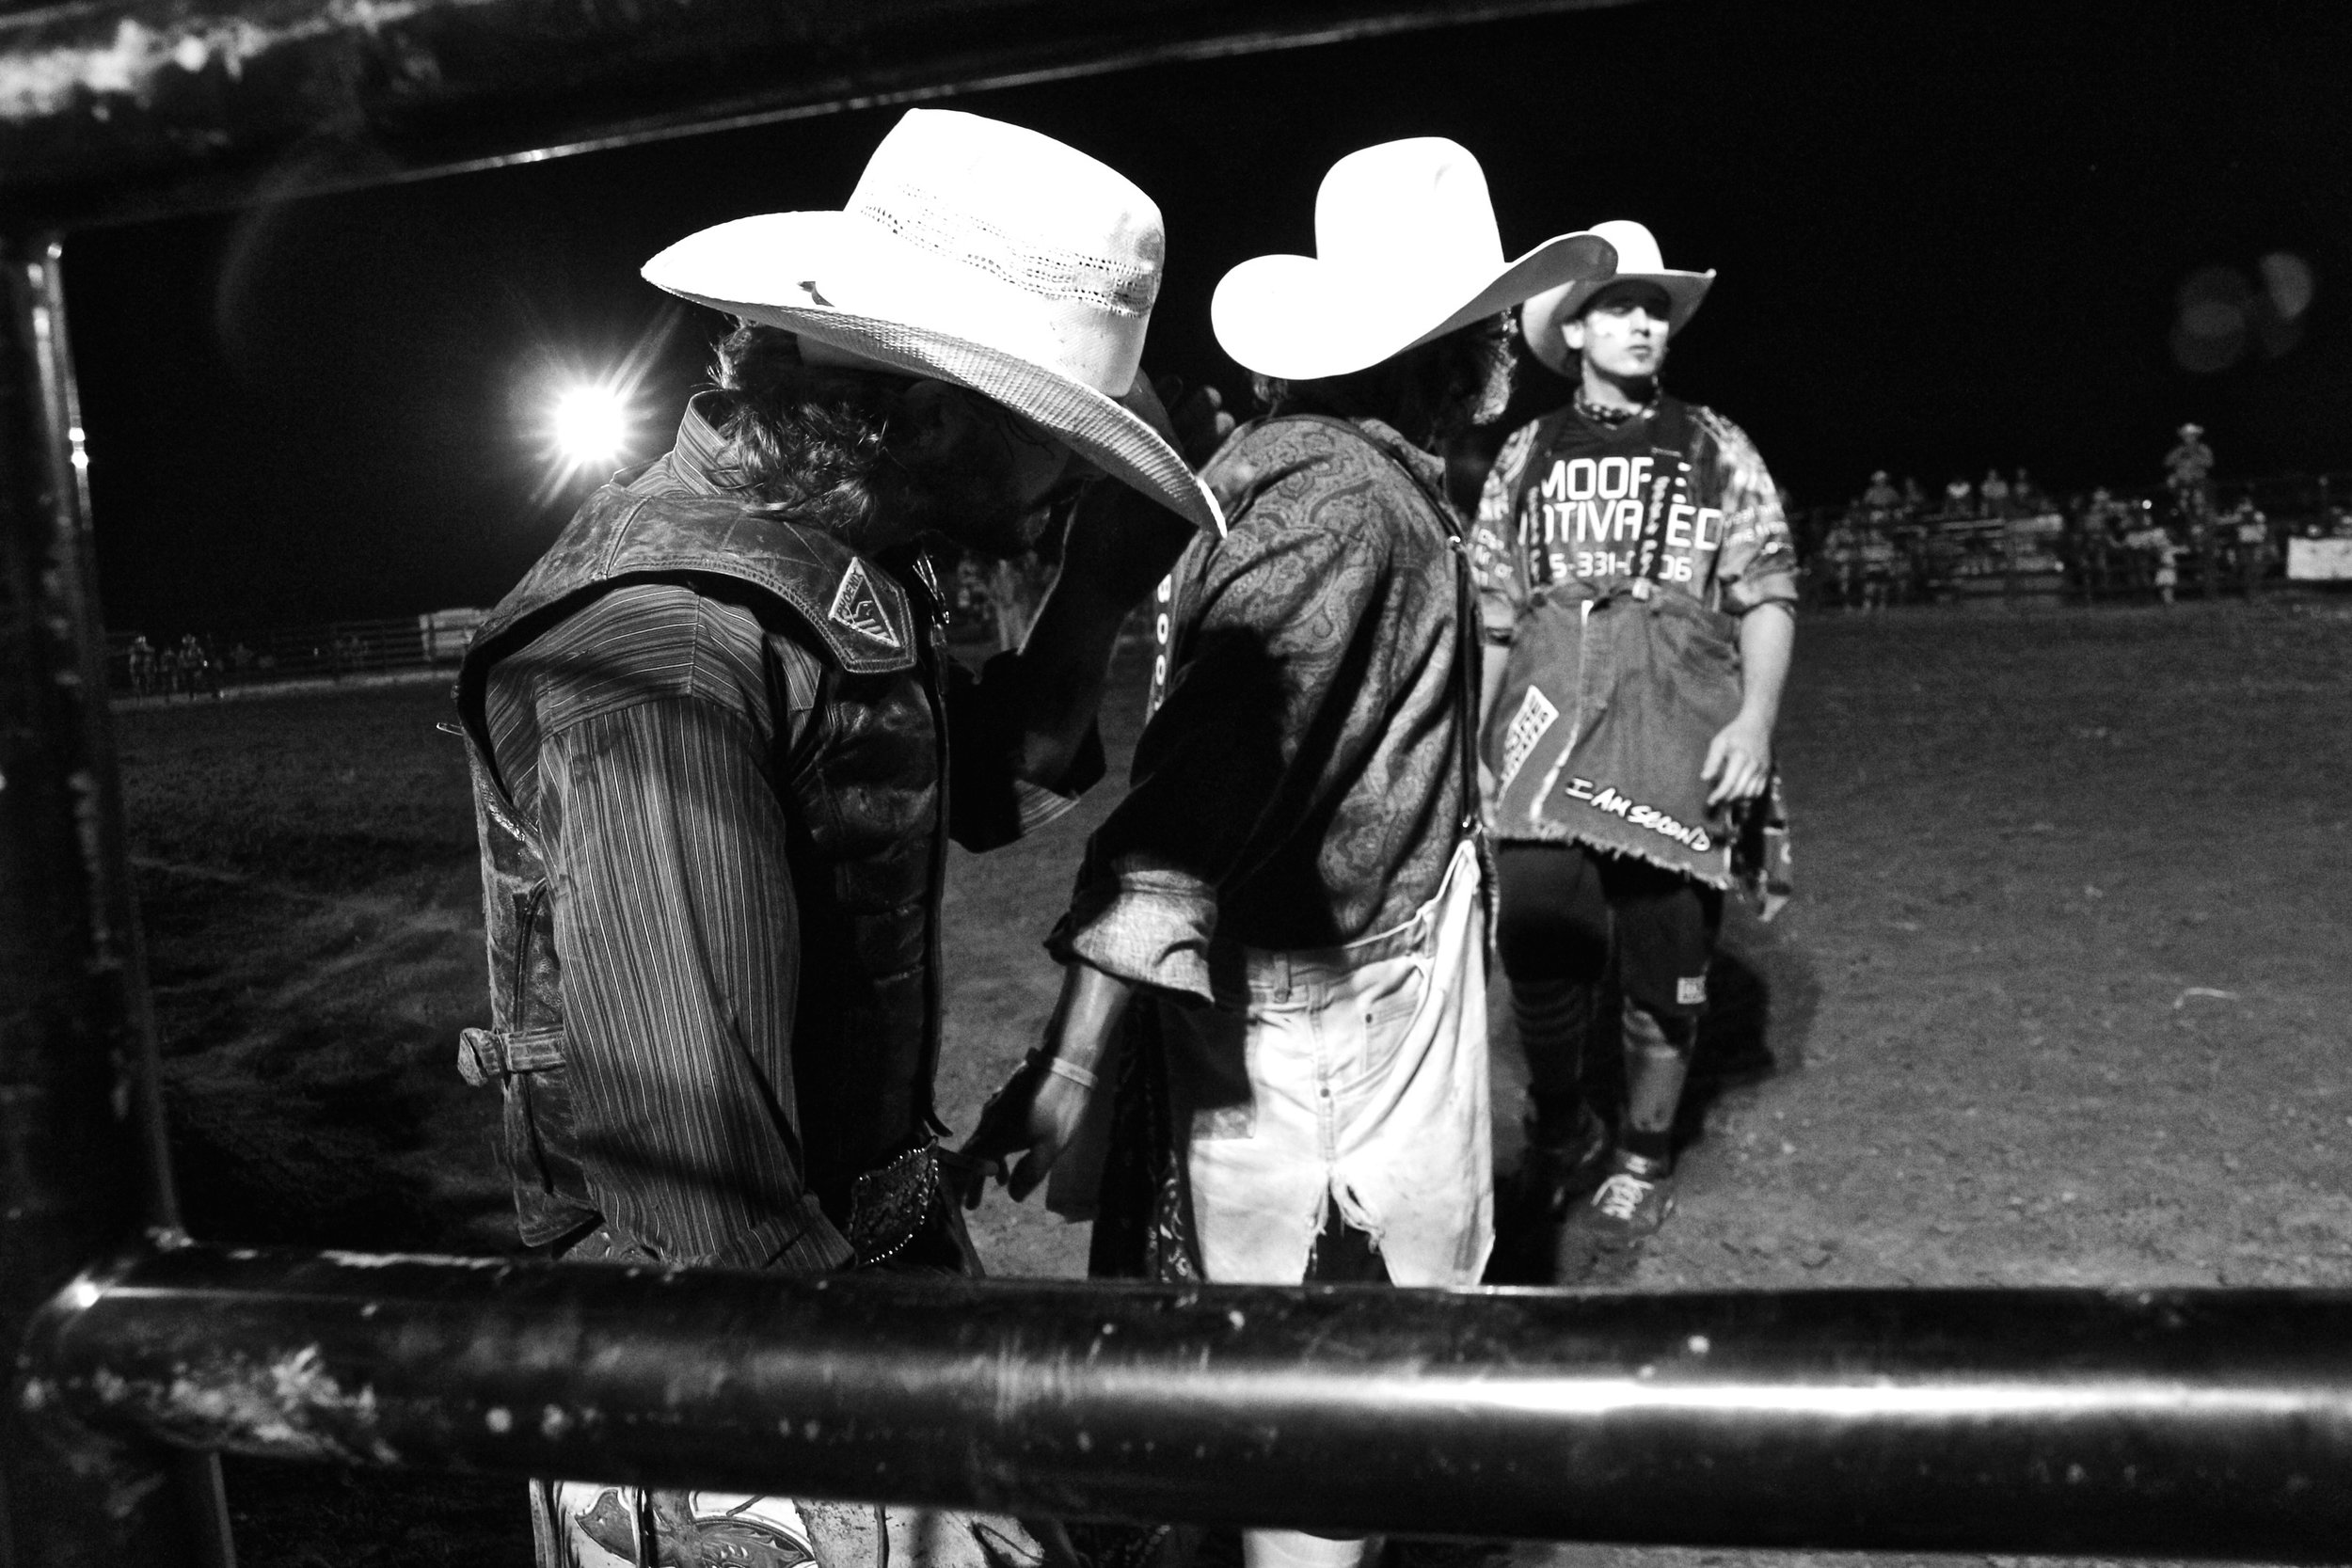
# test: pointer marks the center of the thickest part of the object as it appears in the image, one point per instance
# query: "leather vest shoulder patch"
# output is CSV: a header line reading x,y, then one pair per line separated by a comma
x,y
856,607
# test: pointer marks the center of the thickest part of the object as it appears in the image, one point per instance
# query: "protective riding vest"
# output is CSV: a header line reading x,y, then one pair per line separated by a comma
x,y
863,783
1617,677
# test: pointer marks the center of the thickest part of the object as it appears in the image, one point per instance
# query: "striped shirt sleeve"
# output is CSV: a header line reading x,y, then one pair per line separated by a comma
x,y
675,919
676,923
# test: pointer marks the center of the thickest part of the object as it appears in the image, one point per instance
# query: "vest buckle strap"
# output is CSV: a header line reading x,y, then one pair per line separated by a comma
x,y
491,1055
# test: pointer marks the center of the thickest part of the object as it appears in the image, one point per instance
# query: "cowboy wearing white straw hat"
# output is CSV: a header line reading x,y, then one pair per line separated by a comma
x,y
710,730
1289,882
1638,587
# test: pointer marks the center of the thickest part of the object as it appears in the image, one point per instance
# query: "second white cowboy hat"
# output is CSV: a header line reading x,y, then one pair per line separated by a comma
x,y
1638,260
1406,250
981,254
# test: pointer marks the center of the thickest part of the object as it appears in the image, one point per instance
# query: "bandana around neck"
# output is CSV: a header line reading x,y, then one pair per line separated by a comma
x,y
1612,418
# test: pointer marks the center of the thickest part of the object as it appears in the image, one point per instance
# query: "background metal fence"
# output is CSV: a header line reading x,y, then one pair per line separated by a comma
x,y
205,663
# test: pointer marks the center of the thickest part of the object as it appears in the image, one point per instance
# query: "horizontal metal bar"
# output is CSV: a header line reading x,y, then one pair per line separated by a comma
x,y
122,110
2181,1423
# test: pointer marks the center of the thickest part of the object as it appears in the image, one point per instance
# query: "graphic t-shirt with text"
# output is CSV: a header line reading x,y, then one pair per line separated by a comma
x,y
1569,498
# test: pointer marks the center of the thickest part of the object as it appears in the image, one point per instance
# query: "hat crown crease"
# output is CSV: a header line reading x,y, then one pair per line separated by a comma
x,y
1416,209
980,253
1637,248
1008,238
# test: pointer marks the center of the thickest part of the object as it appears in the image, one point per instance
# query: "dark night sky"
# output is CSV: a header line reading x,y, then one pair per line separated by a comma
x,y
1950,236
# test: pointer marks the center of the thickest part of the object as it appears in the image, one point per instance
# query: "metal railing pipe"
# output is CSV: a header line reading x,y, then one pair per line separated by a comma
x,y
2175,1423
83,1171
116,109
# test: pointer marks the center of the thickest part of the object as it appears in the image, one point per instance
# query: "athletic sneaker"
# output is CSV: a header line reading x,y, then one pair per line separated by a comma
x,y
1553,1176
1633,1202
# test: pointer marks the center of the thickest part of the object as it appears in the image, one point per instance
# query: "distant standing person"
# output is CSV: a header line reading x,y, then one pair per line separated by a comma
x,y
1841,554
2188,472
1638,589
1881,498
1878,567
2098,540
2250,532
2026,496
1994,493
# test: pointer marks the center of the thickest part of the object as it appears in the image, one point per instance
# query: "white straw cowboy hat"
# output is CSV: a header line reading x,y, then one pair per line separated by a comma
x,y
977,253
1638,261
1406,250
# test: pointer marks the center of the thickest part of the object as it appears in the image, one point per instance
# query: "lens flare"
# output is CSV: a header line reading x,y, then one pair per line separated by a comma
x,y
2210,332
2287,279
2225,316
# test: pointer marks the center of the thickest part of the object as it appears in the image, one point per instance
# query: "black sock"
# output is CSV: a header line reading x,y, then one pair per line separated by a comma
x,y
1649,1145
1559,1115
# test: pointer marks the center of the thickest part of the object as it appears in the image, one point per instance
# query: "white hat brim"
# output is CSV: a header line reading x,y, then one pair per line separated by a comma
x,y
1540,323
1302,319
771,269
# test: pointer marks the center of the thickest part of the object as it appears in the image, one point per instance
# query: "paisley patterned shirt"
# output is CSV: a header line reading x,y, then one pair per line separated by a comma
x,y
1300,784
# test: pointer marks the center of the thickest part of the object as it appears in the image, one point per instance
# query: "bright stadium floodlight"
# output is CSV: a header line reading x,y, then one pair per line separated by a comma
x,y
591,425
586,420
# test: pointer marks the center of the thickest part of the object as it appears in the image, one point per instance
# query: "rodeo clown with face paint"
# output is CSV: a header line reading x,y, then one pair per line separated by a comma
x,y
1638,589
712,732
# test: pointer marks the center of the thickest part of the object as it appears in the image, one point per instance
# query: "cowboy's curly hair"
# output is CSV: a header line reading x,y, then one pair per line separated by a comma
x,y
1428,395
811,441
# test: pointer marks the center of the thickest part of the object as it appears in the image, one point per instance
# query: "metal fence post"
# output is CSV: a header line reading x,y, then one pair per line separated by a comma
x,y
83,1171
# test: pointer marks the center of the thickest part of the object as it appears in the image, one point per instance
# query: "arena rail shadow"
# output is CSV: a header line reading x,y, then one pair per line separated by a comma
x,y
2197,1423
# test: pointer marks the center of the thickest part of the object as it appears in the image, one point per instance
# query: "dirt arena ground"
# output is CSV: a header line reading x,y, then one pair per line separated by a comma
x,y
2062,999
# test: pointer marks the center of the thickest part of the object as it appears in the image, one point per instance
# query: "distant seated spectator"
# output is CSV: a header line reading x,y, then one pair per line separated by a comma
x,y
2147,535
1915,498
1993,494
1959,500
2103,516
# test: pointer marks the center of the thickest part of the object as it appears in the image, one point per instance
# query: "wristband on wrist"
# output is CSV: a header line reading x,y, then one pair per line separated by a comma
x,y
1083,1077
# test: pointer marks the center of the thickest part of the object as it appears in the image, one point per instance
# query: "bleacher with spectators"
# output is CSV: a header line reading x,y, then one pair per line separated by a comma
x,y
1893,547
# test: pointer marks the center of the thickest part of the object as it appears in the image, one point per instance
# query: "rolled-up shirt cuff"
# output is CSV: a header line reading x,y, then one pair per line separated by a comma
x,y
1765,588
1035,806
1151,927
